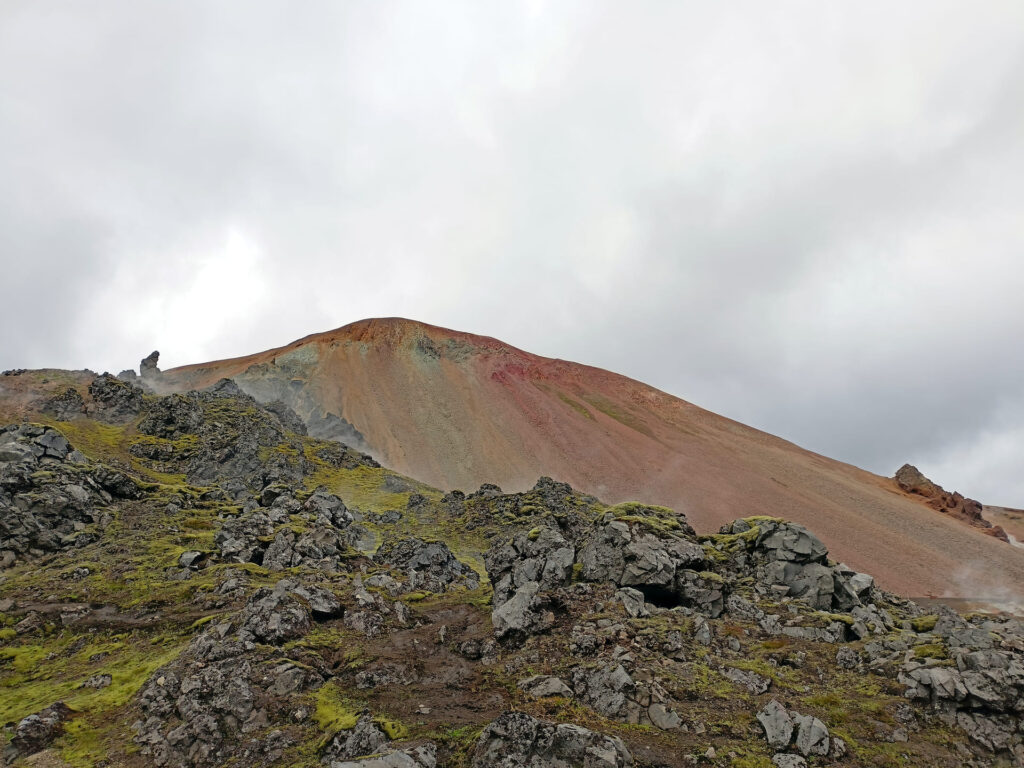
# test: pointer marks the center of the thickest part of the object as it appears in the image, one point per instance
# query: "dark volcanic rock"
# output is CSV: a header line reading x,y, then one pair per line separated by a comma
x,y
51,496
216,699
115,401
65,405
37,731
148,371
517,740
428,566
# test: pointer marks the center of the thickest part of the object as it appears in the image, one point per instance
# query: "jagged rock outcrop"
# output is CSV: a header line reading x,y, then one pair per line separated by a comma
x,y
217,698
974,679
65,405
115,401
647,551
808,735
365,738
541,556
787,560
428,566
517,740
618,614
611,691
37,731
51,496
148,371
912,480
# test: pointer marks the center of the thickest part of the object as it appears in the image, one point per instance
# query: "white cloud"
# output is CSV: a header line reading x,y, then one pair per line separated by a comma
x,y
804,216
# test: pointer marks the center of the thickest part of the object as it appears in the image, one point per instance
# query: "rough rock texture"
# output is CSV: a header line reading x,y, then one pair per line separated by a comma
x,y
51,496
612,692
216,699
807,734
244,621
517,740
364,739
424,756
65,405
115,401
633,552
455,410
983,690
791,562
428,566
149,373
910,479
37,731
542,556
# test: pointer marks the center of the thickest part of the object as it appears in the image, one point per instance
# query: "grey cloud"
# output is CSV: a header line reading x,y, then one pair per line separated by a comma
x,y
805,218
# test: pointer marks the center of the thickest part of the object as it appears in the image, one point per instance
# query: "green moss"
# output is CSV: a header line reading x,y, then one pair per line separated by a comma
x,y
36,675
924,623
576,406
577,572
745,760
362,487
393,730
614,411
198,623
930,651
333,711
534,533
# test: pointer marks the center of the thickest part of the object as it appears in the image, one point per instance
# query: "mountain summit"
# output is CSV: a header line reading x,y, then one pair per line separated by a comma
x,y
192,580
457,410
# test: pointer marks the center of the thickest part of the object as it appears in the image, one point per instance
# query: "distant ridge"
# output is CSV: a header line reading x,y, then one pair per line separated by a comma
x,y
457,410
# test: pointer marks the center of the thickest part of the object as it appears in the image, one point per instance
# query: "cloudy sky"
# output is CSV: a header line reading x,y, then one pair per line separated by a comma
x,y
808,216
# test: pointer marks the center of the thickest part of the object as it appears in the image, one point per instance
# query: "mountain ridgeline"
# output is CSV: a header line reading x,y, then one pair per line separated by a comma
x,y
192,578
457,410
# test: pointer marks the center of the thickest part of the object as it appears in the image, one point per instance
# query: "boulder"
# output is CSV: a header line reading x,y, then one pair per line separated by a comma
x,y
777,724
633,554
363,739
753,682
424,756
115,401
812,737
542,556
544,686
428,566
517,740
37,731
285,612
526,613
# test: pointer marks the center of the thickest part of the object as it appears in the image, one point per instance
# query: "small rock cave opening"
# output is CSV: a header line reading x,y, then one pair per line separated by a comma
x,y
659,596
322,616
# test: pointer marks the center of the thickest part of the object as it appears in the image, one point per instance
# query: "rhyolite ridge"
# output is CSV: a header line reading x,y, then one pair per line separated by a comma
x,y
457,410
190,579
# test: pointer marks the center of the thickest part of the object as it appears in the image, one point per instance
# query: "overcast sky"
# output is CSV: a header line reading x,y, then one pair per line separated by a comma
x,y
807,216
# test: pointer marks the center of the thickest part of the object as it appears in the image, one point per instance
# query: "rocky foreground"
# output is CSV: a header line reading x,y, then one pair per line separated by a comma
x,y
191,580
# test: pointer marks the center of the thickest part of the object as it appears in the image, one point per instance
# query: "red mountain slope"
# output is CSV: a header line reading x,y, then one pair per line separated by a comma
x,y
456,410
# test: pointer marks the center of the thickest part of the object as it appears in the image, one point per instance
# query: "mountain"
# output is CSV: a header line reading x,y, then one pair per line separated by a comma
x,y
457,410
192,581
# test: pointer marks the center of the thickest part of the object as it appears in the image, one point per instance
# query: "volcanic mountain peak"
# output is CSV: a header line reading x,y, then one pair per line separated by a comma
x,y
457,410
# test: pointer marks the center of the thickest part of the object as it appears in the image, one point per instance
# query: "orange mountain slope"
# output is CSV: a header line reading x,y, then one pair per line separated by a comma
x,y
457,410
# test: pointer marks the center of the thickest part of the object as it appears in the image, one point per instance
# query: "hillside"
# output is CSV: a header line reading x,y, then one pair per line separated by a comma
x,y
457,410
191,581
